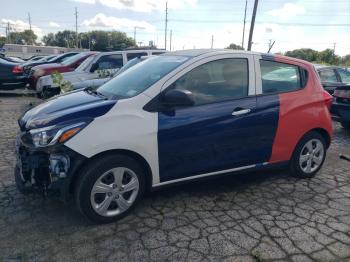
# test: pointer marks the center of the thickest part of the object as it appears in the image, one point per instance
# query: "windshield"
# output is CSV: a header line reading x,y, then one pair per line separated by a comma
x,y
138,78
71,59
85,64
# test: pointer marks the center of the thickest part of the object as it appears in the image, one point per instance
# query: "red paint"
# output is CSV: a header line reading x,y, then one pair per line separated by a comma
x,y
300,112
47,69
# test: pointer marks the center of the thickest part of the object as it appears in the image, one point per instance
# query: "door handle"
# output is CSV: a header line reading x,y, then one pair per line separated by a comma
x,y
241,112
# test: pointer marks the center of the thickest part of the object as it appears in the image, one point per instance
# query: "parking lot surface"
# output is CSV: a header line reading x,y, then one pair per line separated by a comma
x,y
247,217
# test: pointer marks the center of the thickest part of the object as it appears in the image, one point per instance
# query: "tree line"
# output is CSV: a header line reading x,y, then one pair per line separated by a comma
x,y
326,56
99,40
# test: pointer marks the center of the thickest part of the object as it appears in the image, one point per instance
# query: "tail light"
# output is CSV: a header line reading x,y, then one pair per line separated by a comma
x,y
17,69
341,93
327,99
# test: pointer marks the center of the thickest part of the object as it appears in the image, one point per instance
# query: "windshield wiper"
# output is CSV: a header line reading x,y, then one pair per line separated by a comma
x,y
92,90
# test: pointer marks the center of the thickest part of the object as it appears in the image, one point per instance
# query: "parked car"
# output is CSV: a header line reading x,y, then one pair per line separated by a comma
x,y
46,60
35,58
68,65
11,75
333,77
14,59
102,65
341,106
97,82
176,117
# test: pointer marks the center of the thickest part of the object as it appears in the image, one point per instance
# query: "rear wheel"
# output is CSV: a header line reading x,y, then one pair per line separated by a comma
x,y
308,156
346,125
109,188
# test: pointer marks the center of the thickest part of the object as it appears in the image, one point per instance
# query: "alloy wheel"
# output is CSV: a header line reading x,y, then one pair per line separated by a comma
x,y
114,192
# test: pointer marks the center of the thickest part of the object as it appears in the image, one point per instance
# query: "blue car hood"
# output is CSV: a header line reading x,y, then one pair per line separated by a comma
x,y
70,107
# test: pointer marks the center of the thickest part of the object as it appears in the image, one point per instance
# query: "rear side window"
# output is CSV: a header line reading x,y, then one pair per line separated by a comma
x,y
110,62
130,56
279,77
328,75
345,76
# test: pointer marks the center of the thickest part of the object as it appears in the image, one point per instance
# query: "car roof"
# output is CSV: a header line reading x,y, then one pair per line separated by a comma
x,y
320,67
199,52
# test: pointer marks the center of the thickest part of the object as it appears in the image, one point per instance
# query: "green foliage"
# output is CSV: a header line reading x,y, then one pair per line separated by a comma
x,y
235,47
27,37
323,57
95,40
64,38
2,41
103,73
64,85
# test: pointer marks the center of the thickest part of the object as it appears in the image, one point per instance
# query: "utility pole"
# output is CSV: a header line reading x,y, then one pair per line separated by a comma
x,y
171,39
244,21
8,33
334,44
76,28
30,22
135,34
166,23
252,26
212,41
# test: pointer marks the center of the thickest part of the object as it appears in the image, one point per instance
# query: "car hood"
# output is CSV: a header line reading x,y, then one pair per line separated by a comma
x,y
73,77
69,107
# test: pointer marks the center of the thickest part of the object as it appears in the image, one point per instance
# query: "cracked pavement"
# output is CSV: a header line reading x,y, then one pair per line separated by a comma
x,y
247,217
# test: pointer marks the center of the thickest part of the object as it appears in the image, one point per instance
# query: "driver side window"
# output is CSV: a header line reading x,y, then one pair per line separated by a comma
x,y
216,81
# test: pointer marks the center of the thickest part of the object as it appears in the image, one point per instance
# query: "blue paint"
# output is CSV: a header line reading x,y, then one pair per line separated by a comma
x,y
65,108
207,138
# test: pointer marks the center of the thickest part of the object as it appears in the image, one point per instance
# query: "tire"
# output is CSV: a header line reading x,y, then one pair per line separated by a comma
x,y
308,156
345,125
101,192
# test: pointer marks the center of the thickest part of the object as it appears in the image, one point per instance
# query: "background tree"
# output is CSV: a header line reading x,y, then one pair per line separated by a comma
x,y
235,47
27,37
95,40
2,41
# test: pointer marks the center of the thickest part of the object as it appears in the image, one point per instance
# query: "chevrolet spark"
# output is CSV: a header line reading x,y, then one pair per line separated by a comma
x,y
177,117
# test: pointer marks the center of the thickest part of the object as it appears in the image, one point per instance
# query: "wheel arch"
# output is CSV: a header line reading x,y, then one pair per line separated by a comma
x,y
324,133
146,167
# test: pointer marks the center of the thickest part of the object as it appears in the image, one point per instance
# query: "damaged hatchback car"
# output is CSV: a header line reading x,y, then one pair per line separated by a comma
x,y
173,118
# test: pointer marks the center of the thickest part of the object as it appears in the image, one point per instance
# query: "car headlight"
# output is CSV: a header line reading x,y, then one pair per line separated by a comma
x,y
51,135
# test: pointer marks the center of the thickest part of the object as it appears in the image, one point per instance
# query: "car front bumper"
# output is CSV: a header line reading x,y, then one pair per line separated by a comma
x,y
47,169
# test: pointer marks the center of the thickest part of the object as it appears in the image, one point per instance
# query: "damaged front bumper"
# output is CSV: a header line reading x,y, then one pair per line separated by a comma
x,y
45,169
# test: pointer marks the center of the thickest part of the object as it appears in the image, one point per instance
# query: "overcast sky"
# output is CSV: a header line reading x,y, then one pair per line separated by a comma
x,y
316,24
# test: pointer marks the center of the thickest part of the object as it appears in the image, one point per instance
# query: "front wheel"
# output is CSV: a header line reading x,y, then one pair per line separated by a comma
x,y
308,156
109,188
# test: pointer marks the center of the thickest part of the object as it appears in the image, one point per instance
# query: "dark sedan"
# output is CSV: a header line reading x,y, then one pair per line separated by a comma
x,y
333,77
56,59
11,75
341,105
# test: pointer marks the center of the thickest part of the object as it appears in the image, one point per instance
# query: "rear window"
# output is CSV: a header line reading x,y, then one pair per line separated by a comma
x,y
279,77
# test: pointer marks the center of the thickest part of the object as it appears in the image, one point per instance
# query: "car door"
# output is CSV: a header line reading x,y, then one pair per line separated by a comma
x,y
219,132
276,83
329,79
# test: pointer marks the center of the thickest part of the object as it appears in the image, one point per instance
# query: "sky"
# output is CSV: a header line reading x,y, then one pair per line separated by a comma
x,y
292,24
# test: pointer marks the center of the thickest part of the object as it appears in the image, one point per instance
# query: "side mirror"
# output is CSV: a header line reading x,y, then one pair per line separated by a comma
x,y
176,97
94,67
